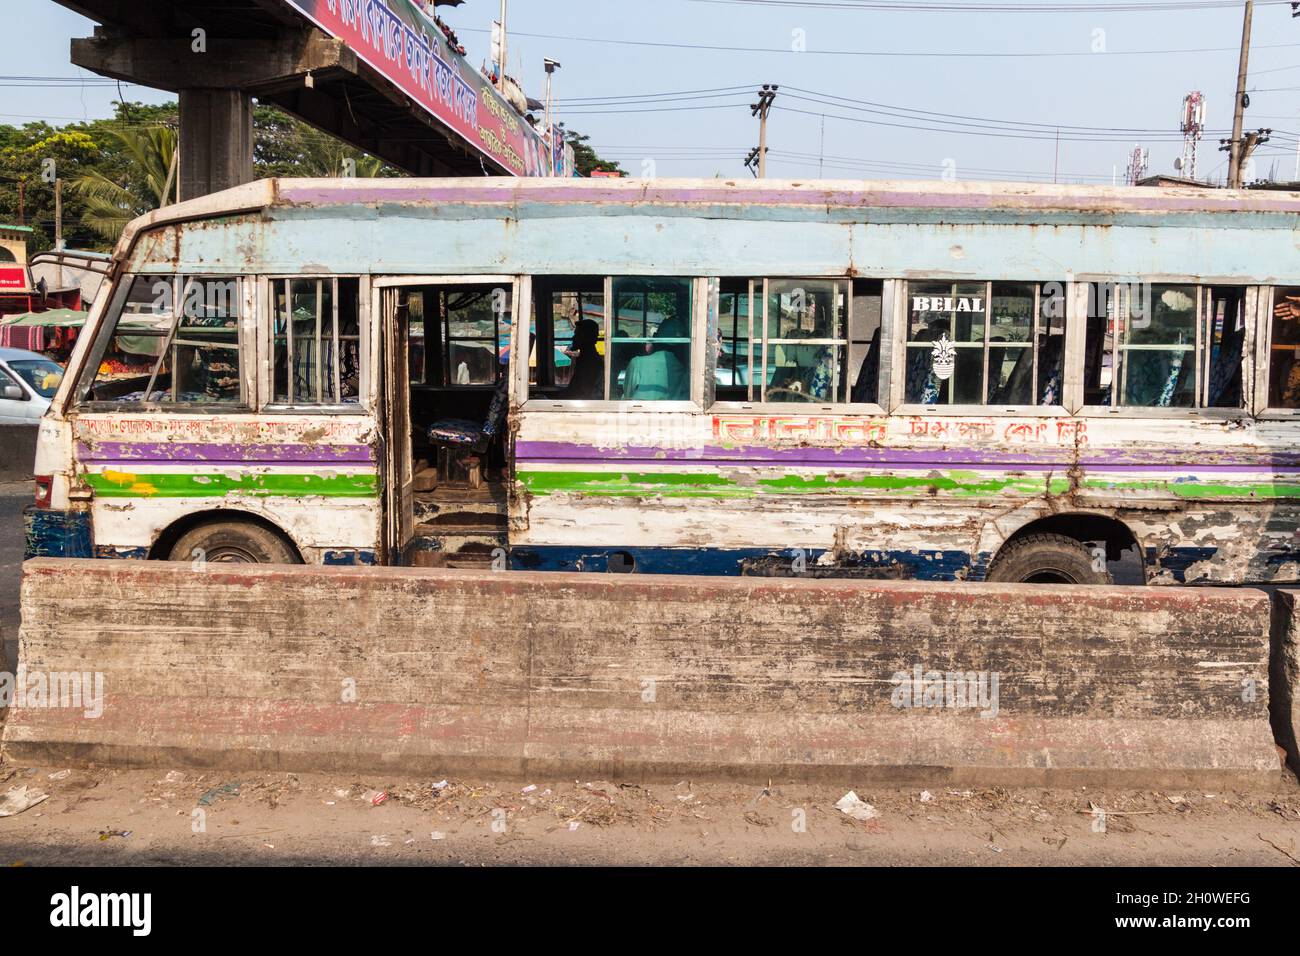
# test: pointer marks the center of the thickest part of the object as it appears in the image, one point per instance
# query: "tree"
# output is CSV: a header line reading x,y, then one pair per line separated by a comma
x,y
284,146
149,181
585,159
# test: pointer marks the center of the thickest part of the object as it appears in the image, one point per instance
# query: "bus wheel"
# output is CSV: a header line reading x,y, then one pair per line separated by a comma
x,y
1047,559
233,542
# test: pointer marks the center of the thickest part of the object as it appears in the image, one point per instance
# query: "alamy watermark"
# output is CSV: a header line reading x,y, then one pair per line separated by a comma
x,y
958,690
75,690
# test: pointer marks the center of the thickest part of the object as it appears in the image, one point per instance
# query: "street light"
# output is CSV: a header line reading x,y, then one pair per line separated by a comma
x,y
551,67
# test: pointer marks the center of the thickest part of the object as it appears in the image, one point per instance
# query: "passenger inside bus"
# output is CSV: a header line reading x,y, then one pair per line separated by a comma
x,y
587,381
659,375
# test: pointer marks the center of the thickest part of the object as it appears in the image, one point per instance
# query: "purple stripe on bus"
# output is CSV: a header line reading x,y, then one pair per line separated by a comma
x,y
127,452
1094,470
1047,458
866,198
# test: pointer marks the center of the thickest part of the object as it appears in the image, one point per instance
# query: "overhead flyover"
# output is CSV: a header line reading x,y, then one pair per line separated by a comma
x,y
377,74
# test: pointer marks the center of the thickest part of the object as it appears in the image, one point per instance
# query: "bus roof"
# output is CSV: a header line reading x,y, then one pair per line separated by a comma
x,y
1025,198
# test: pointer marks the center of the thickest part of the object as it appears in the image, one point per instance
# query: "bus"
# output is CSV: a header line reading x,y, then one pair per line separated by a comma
x,y
940,381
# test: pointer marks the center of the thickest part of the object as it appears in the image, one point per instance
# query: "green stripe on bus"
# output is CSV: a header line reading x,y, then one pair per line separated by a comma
x,y
705,485
1196,489
118,484
965,484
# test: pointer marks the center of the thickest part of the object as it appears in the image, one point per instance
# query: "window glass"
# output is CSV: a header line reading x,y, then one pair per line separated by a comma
x,y
1157,352
1099,349
1224,338
42,375
806,339
172,341
733,378
316,341
567,338
865,329
978,343
650,357
477,322
1164,345
945,342
1284,350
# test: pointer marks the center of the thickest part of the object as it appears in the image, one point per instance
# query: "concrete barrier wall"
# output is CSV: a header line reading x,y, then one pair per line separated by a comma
x,y
1284,675
17,452
634,675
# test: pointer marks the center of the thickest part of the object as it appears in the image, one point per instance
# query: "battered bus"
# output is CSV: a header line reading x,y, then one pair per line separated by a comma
x,y
953,381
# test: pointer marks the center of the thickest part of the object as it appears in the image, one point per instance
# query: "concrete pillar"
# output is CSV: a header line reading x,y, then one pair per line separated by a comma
x,y
216,141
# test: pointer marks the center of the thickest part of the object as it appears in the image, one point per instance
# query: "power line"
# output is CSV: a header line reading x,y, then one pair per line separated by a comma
x,y
909,6
946,54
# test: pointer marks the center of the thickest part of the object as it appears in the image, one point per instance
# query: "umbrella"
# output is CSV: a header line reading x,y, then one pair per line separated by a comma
x,y
61,318
561,360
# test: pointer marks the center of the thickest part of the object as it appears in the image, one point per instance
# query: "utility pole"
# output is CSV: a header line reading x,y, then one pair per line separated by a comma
x,y
1235,159
58,227
821,149
760,109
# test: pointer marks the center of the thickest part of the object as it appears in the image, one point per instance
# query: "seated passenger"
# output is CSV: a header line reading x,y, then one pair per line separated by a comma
x,y
659,375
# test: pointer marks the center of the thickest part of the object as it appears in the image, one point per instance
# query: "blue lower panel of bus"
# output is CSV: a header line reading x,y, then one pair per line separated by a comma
x,y
57,534
759,562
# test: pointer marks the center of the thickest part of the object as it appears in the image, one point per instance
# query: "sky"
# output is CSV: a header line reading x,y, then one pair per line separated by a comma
x,y
664,87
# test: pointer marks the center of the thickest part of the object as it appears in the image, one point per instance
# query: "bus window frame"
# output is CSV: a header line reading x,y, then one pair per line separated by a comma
x,y
902,322
1263,352
758,289
1251,395
107,325
265,329
700,307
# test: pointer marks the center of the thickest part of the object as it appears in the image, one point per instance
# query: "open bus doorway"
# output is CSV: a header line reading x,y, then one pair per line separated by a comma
x,y
446,397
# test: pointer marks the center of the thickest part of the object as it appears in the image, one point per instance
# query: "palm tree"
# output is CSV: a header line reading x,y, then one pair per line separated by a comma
x,y
148,181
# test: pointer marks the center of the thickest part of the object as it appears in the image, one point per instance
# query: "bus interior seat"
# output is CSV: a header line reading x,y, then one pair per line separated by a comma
x,y
470,440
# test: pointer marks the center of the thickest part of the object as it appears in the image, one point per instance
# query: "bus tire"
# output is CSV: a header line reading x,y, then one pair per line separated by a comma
x,y
1047,559
233,542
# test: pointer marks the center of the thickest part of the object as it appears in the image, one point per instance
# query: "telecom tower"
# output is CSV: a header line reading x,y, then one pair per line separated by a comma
x,y
1193,126
1137,166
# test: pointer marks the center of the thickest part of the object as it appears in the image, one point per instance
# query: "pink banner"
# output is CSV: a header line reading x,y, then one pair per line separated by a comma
x,y
411,52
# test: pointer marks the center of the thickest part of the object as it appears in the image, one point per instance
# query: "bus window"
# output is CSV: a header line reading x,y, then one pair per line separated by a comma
x,y
650,357
564,360
316,341
1284,350
1164,346
864,341
1224,336
945,327
985,343
805,340
1157,348
733,379
173,341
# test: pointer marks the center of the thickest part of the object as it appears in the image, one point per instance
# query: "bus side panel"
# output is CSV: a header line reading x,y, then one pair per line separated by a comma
x,y
315,478
923,496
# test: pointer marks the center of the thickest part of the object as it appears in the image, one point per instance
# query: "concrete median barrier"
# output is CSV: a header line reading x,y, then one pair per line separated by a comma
x,y
17,452
307,668
1284,675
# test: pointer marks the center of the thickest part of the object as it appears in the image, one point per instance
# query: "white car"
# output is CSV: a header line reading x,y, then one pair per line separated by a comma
x,y
28,380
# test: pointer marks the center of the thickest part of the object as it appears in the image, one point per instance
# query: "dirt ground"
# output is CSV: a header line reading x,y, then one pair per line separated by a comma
x,y
159,817
176,817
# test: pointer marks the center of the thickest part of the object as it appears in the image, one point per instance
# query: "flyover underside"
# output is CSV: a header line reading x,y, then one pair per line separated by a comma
x,y
306,668
262,49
